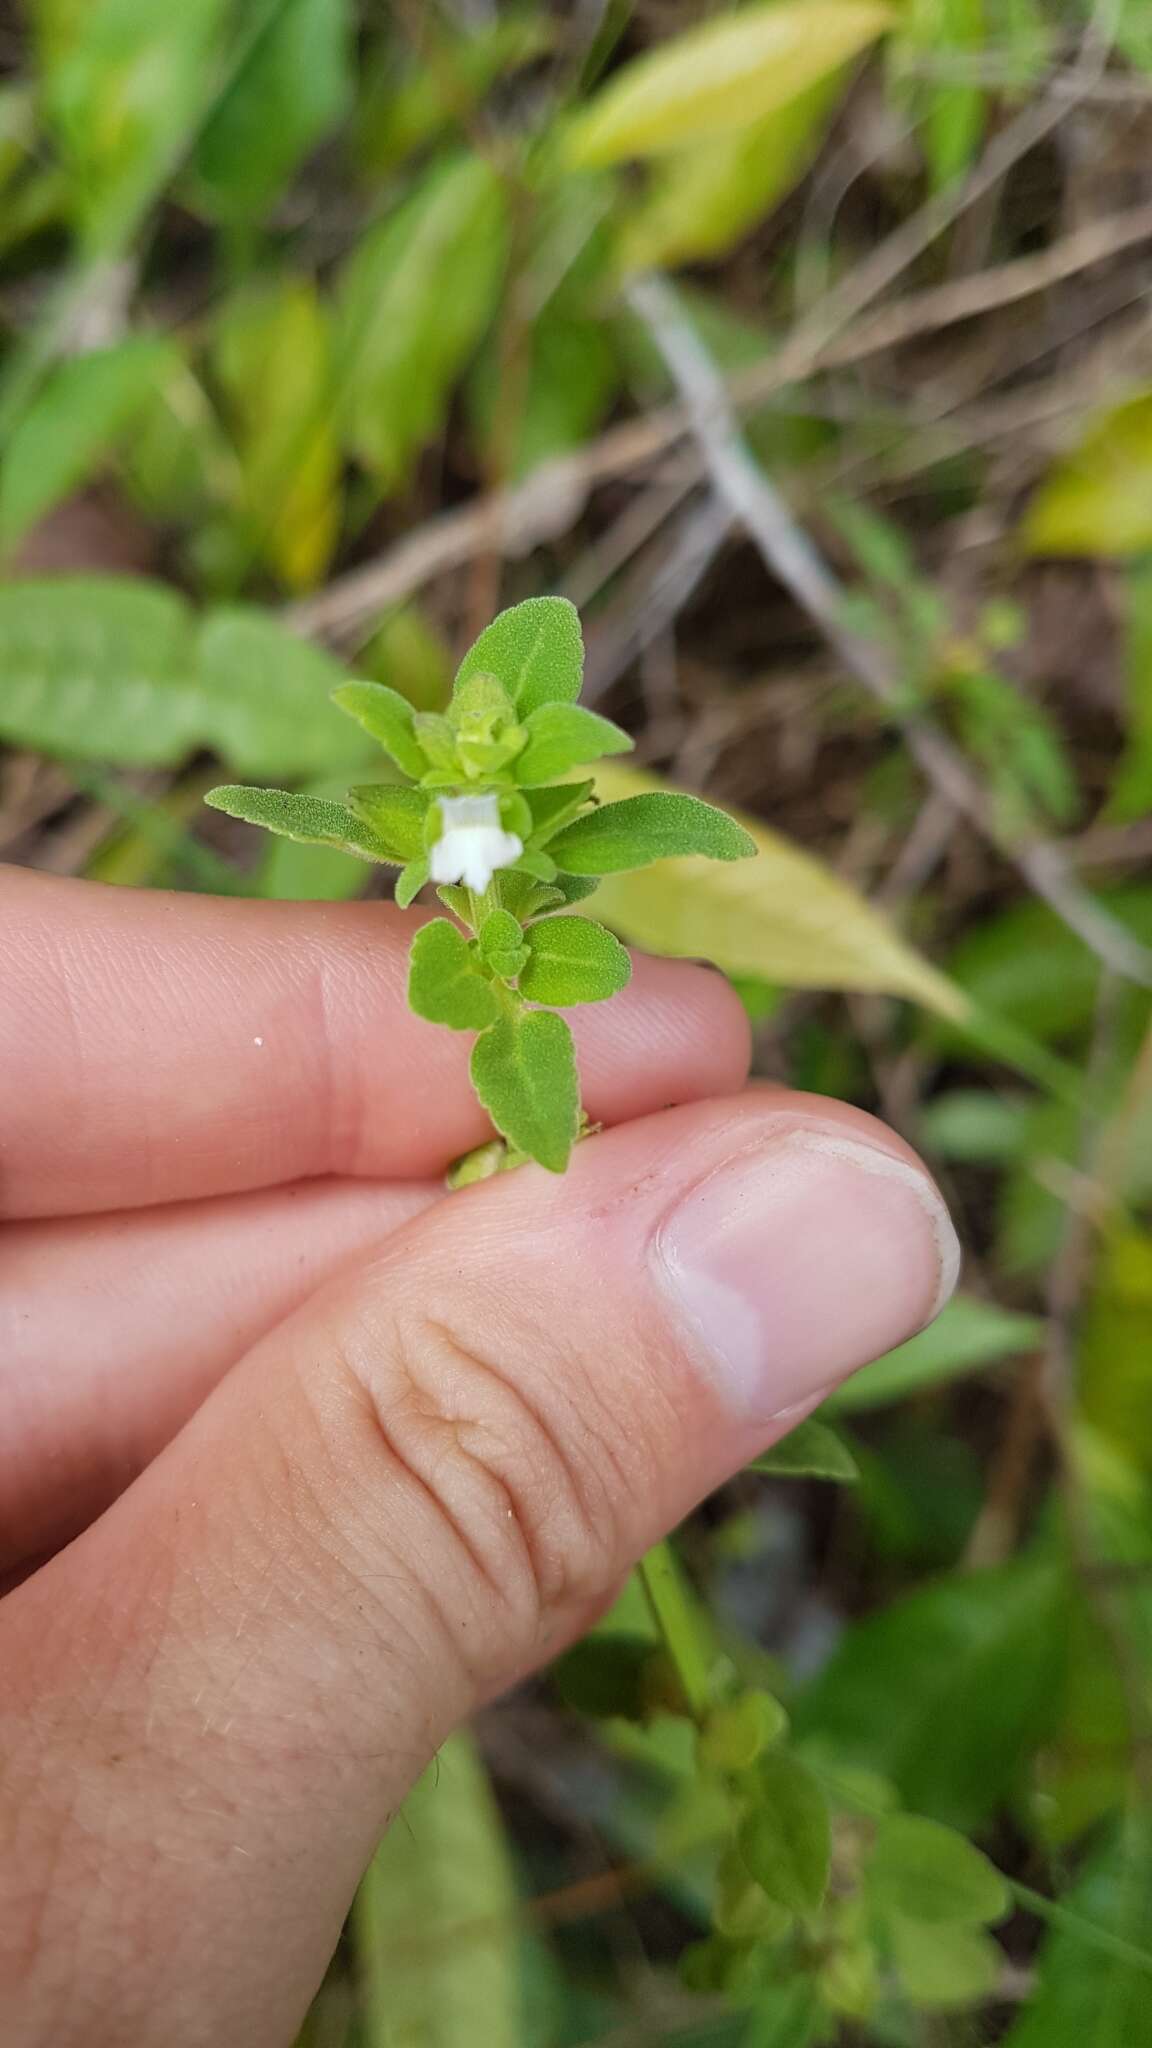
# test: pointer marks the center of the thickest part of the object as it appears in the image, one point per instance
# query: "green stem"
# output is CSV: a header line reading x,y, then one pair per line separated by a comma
x,y
679,1626
1087,1931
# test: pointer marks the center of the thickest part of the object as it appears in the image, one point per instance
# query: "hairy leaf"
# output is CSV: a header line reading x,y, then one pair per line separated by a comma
x,y
647,828
524,1071
535,649
389,718
564,736
396,814
444,983
312,819
571,960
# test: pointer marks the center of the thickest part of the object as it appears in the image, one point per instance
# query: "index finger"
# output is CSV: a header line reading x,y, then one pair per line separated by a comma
x,y
157,1047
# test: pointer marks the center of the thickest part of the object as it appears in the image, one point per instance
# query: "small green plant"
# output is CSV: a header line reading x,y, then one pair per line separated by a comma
x,y
482,813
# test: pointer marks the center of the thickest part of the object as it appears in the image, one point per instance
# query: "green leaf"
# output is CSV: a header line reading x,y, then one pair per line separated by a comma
x,y
810,1451
572,960
405,332
76,417
1086,1995
967,1336
703,199
736,1734
100,669
410,882
1098,500
783,917
946,1966
273,359
502,945
730,72
647,828
948,1690
127,88
564,736
395,814
535,649
290,91
929,1873
435,1924
786,1841
301,871
1132,795
389,718
266,695
524,1071
312,819
444,983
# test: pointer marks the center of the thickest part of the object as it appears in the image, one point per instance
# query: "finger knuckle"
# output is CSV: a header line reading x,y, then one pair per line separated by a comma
x,y
510,1487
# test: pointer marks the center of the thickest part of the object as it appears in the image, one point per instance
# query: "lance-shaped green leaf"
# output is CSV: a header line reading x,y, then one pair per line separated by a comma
x,y
524,1072
810,1451
71,424
786,1840
410,882
551,807
641,829
444,983
572,960
312,819
924,1871
395,814
501,943
389,718
535,649
722,76
564,736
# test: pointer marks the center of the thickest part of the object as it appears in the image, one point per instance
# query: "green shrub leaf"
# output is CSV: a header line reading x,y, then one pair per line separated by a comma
x,y
389,718
945,1966
524,1071
312,819
647,828
786,1841
564,736
502,945
925,1872
572,960
71,424
810,1451
535,649
444,983
396,815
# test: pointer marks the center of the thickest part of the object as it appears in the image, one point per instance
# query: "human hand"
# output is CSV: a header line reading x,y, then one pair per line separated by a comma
x,y
317,1460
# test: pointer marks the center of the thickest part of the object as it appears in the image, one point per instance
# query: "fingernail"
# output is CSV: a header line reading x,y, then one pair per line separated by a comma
x,y
798,1262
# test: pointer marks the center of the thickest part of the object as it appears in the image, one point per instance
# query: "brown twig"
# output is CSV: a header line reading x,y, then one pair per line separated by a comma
x,y
796,563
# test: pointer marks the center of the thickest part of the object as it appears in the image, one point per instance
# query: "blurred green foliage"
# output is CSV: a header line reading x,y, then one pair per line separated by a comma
x,y
289,282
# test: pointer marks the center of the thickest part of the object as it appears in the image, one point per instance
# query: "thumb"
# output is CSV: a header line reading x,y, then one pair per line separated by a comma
x,y
411,1492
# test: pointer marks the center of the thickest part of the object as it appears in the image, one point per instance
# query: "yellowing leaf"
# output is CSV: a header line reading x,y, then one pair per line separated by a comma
x,y
783,917
704,198
723,76
1098,500
273,358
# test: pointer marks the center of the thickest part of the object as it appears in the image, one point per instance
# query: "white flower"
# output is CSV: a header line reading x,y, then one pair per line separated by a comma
x,y
473,843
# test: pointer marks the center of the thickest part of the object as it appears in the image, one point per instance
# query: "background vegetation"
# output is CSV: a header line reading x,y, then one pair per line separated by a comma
x,y
808,347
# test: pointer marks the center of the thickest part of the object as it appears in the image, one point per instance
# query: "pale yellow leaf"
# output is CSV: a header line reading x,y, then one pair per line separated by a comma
x,y
783,917
723,76
1098,500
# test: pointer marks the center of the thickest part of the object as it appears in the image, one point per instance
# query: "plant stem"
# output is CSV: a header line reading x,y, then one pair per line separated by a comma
x,y
679,1626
